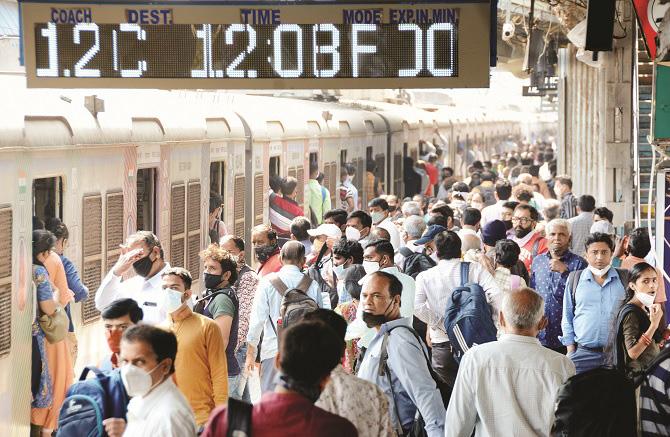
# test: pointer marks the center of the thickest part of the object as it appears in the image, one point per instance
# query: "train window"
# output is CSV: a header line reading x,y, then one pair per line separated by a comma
x,y
6,280
48,198
146,199
343,157
92,254
217,181
274,166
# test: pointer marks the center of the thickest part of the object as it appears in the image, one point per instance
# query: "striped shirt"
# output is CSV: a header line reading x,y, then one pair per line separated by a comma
x,y
282,212
655,401
568,206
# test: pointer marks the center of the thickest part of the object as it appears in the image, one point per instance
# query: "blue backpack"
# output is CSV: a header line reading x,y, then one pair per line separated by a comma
x,y
90,401
467,319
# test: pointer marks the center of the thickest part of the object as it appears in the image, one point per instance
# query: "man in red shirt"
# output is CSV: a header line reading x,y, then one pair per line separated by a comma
x,y
531,243
284,208
433,174
308,352
264,241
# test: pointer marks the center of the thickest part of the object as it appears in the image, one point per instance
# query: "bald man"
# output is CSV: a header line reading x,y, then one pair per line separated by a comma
x,y
517,372
265,311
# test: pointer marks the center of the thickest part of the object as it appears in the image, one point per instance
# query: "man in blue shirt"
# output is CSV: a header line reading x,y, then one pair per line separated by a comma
x,y
587,321
405,379
548,276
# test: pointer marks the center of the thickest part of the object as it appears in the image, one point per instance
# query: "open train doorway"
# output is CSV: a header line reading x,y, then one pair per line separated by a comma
x,y
217,183
274,168
146,199
47,199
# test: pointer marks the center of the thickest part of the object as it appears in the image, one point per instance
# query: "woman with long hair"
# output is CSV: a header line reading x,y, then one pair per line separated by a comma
x,y
638,320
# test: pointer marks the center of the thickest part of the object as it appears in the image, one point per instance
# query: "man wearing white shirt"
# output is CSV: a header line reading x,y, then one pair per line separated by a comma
x,y
265,311
144,254
157,407
470,222
349,183
379,211
378,256
509,386
433,288
502,194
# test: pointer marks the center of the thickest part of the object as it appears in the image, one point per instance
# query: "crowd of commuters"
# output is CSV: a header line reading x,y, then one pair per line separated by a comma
x,y
344,312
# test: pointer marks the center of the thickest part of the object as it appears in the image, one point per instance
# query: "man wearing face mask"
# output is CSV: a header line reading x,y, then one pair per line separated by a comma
x,y
506,215
531,243
591,304
345,254
220,303
405,377
247,282
379,212
378,256
394,210
200,367
144,254
266,250
116,318
362,222
157,407
309,351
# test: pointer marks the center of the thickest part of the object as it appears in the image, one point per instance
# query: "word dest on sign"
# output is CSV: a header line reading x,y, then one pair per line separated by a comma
x,y
306,45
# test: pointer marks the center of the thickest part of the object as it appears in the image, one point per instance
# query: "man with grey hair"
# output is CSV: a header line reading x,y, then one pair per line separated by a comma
x,y
510,385
411,208
265,310
549,274
413,228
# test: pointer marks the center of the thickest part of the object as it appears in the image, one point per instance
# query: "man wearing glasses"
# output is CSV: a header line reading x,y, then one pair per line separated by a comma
x,y
531,243
117,317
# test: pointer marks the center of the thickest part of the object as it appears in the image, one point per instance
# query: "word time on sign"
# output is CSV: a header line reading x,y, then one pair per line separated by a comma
x,y
232,45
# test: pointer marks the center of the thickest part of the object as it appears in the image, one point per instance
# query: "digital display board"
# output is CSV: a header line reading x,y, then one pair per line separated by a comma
x,y
273,45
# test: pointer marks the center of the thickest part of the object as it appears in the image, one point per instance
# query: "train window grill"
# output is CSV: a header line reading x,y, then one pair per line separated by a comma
x,y
300,176
177,225
5,281
397,175
193,214
146,199
113,227
259,189
48,198
238,206
91,230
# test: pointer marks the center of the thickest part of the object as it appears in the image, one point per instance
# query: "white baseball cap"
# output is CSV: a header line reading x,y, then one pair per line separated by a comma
x,y
328,229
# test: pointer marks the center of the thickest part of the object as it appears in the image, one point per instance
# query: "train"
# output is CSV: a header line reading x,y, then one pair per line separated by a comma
x,y
110,162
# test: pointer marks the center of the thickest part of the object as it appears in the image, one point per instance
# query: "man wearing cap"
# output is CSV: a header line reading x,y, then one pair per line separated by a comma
x,y
321,262
379,211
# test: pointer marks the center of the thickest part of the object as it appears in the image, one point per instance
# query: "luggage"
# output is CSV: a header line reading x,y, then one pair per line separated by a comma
x,y
415,263
295,301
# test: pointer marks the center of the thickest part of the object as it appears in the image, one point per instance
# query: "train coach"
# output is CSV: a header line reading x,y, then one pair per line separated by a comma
x,y
122,161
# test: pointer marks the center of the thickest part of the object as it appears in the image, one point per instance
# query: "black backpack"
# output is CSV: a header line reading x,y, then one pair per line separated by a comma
x,y
295,302
239,418
415,263
597,403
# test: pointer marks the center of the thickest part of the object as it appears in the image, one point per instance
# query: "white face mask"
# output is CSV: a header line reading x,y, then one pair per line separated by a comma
x,y
371,266
600,272
171,301
434,257
646,299
339,270
136,381
352,234
377,217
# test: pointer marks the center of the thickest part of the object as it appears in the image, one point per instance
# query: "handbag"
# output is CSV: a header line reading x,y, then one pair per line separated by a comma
x,y
55,326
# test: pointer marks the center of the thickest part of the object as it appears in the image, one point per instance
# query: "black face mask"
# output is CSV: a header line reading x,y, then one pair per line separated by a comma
x,y
263,253
212,281
393,208
143,266
521,232
508,224
372,320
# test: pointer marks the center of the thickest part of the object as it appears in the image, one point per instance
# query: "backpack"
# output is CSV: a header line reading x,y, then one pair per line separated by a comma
x,y
468,320
201,305
415,263
294,303
418,429
573,280
90,401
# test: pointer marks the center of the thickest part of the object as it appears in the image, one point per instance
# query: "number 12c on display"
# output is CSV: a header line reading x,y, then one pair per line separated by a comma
x,y
90,50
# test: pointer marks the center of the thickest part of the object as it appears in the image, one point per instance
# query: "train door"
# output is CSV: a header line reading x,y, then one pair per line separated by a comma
x,y
146,199
48,198
274,166
217,183
343,157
